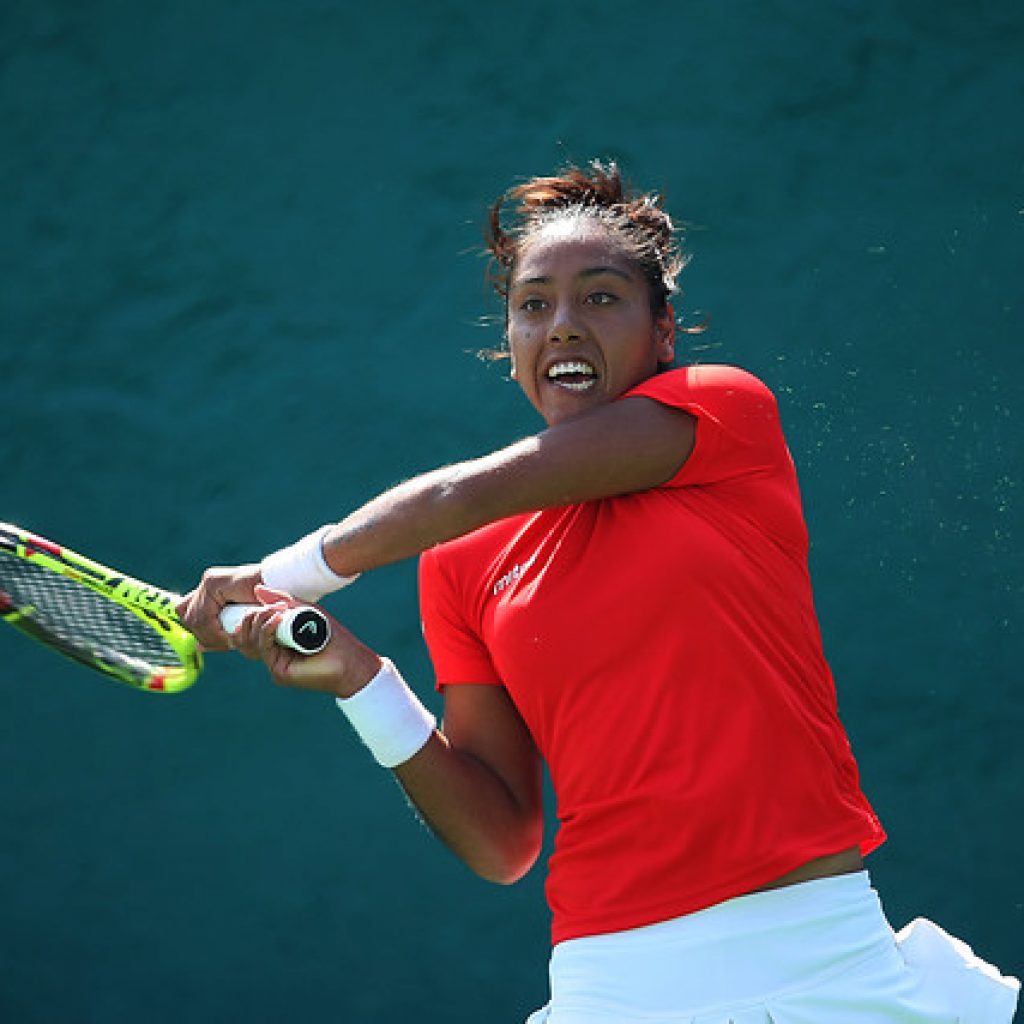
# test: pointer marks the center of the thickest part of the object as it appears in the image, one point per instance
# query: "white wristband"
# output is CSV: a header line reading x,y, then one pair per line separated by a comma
x,y
389,717
301,569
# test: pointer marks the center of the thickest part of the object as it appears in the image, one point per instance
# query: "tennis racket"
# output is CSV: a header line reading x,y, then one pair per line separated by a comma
x,y
117,625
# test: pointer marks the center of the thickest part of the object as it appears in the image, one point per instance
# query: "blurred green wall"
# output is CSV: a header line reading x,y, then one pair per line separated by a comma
x,y
240,243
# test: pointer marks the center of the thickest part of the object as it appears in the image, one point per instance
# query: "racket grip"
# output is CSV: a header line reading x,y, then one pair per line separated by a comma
x,y
303,629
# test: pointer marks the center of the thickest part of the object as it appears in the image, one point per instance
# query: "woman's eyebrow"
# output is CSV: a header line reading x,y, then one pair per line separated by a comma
x,y
582,275
598,271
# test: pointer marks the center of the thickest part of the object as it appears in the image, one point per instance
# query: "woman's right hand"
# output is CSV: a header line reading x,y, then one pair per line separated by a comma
x,y
199,610
342,668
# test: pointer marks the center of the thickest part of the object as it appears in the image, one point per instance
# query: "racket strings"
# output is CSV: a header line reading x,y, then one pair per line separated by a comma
x,y
70,615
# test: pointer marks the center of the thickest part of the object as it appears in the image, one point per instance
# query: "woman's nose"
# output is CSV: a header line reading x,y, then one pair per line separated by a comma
x,y
564,326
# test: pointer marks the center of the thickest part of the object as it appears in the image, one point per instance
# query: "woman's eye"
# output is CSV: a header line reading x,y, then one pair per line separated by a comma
x,y
531,305
601,298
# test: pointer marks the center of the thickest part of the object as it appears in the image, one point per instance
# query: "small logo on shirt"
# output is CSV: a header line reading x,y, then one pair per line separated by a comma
x,y
513,574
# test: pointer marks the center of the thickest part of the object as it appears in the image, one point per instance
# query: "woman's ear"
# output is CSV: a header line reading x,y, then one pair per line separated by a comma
x,y
665,335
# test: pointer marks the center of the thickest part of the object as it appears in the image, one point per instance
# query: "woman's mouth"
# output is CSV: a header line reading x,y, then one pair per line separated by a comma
x,y
572,374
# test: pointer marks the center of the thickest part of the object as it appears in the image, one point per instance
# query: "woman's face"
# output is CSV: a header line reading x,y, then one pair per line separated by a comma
x,y
580,327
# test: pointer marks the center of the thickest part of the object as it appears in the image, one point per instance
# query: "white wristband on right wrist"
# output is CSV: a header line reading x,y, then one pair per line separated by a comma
x,y
388,717
301,569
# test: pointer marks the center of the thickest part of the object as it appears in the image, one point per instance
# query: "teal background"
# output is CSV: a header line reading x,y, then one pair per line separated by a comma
x,y
240,292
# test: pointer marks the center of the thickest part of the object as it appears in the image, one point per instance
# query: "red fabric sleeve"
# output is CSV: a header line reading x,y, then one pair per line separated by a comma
x,y
456,650
738,428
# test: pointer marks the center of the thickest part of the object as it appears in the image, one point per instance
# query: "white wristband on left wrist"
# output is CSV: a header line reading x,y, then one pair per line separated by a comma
x,y
301,569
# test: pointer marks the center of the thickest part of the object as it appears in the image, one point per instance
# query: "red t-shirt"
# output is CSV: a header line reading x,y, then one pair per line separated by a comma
x,y
663,649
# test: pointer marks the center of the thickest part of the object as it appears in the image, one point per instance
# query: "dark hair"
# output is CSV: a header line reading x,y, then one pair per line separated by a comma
x,y
644,229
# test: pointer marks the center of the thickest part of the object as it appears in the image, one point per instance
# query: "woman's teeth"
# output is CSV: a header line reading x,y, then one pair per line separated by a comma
x,y
573,375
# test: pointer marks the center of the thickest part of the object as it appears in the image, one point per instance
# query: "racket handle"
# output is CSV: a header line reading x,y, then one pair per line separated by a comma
x,y
304,629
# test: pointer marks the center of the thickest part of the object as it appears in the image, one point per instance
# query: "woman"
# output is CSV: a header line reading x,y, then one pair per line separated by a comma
x,y
626,596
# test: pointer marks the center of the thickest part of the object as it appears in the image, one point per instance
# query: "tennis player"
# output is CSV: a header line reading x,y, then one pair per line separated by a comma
x,y
626,595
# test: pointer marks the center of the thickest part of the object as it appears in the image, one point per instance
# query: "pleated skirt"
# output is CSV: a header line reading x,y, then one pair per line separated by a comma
x,y
821,952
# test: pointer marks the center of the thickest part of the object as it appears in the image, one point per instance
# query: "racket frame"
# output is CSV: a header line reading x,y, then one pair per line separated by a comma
x,y
150,604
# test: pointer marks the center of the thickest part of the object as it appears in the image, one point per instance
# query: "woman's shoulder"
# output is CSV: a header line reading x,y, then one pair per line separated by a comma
x,y
715,391
711,377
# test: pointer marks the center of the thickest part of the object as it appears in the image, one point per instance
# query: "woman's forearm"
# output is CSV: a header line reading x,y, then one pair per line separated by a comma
x,y
401,523
472,811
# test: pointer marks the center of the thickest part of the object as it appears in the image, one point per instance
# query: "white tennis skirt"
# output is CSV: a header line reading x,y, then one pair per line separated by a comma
x,y
820,952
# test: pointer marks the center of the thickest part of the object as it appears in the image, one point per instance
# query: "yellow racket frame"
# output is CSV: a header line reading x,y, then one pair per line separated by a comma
x,y
153,606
